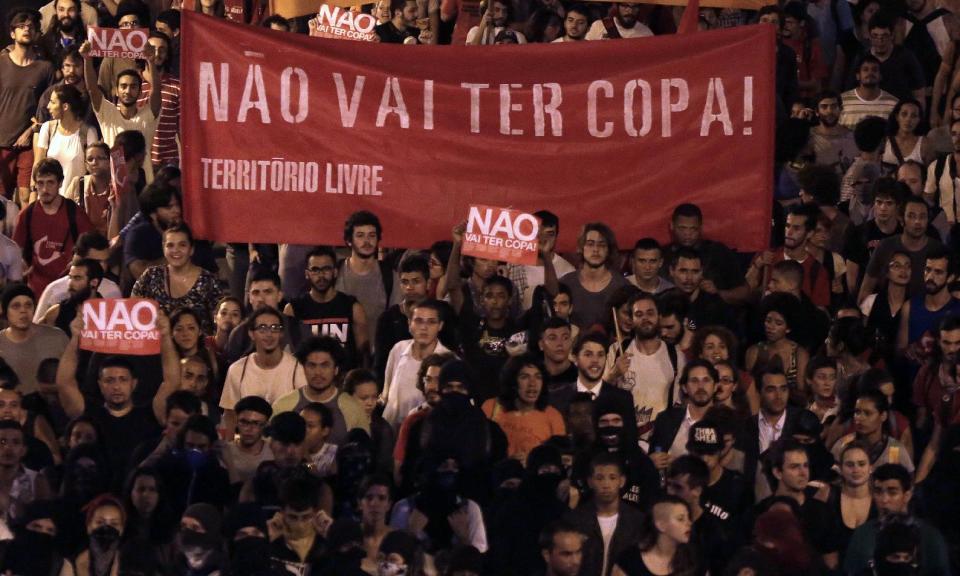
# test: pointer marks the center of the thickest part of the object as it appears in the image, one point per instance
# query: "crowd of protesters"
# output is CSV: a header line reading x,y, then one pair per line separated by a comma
x,y
654,409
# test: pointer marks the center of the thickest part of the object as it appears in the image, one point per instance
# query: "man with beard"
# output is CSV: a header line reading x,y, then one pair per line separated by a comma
x,y
941,177
268,372
642,484
164,150
24,77
143,242
935,390
401,393
867,99
122,425
329,312
561,546
722,273
125,115
914,240
85,276
361,274
590,353
801,222
705,308
920,315
49,15
23,344
672,427
65,31
321,358
831,141
575,24
597,280
649,368
428,382
71,72
624,23
394,324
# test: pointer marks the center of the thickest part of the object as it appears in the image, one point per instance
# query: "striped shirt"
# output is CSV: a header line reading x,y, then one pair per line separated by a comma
x,y
856,108
164,149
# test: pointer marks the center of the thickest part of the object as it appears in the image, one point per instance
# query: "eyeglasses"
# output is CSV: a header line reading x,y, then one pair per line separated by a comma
x,y
321,269
899,266
268,328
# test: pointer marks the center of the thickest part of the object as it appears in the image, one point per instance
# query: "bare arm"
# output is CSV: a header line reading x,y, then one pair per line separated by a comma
x,y
550,282
940,84
170,361
737,295
454,283
229,423
929,457
68,390
50,317
153,77
866,288
90,78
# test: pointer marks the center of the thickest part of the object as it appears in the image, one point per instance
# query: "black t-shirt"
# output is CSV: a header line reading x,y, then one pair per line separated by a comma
x,y
485,351
121,435
728,498
820,523
390,34
863,240
720,263
714,542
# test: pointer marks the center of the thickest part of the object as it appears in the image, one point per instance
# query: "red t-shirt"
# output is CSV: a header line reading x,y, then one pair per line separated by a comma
x,y
52,243
816,284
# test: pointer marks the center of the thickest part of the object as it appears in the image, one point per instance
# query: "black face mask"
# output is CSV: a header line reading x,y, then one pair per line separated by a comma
x,y
30,554
105,537
545,485
887,568
610,436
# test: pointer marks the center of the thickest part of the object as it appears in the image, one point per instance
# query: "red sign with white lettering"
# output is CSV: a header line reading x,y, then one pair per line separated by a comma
x,y
120,326
117,42
501,234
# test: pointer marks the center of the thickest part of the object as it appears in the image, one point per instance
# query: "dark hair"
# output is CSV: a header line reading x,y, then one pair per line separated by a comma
x,y
888,187
362,217
647,244
881,20
696,470
182,400
893,125
770,9
300,493
782,447
321,410
687,210
509,385
821,182
698,363
253,404
132,72
201,425
136,8
167,175
171,18
809,214
323,251
416,264
12,291
549,533
375,479
8,376
433,360
498,280
275,19
896,472
264,274
553,323
878,398
784,304
132,142
48,167
21,16
180,228
723,333
547,218
70,96
869,133
606,459
442,249
685,252
851,333
155,196
90,241
326,344
356,377
595,337
613,254
93,268
47,370
263,311
683,562
829,94
430,304
919,201
819,362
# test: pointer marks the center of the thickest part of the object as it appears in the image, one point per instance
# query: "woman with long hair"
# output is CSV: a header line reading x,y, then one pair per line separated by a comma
x,y
779,315
729,392
905,140
717,344
149,517
851,500
65,136
664,548
521,409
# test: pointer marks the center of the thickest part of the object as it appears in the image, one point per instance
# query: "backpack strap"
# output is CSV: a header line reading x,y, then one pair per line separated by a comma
x,y
72,218
386,274
28,242
611,28
672,353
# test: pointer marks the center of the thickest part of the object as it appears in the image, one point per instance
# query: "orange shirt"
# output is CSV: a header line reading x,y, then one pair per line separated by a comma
x,y
525,430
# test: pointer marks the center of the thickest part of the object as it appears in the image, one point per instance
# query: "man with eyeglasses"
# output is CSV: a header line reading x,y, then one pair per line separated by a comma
x,y
264,290
71,73
129,15
329,312
247,449
900,72
269,372
400,391
321,358
23,78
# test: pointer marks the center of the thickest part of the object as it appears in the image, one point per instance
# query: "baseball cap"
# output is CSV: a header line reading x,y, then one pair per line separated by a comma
x,y
704,438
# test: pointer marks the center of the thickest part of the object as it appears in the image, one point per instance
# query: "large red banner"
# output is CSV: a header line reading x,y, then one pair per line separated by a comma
x,y
285,136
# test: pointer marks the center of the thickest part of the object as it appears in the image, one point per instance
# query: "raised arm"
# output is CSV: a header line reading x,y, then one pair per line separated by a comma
x,y
454,283
68,390
90,77
153,77
170,361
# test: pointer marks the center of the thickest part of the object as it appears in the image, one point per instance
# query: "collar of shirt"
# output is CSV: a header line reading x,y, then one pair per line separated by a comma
x,y
594,392
778,427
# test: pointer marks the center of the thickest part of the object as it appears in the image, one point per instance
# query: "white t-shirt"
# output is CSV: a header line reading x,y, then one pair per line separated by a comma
x,y
246,378
57,291
11,260
112,123
608,524
598,31
475,31
68,150
649,378
526,278
400,391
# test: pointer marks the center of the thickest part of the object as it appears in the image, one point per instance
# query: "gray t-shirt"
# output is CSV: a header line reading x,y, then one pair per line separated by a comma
x,y
25,357
368,290
590,308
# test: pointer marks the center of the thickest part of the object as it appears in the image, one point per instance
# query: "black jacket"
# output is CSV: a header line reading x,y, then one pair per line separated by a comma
x,y
666,426
626,534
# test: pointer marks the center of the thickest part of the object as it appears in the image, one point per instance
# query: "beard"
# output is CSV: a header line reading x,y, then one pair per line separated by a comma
x,y
646,332
78,296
